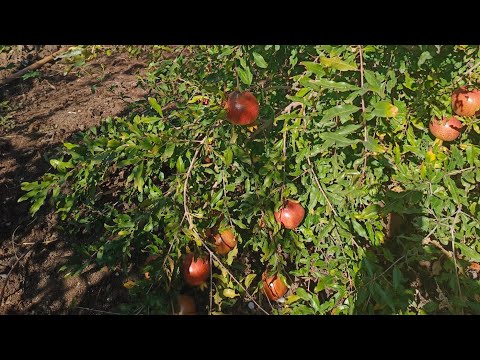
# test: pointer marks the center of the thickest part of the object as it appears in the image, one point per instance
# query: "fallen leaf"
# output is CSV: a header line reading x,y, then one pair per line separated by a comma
x,y
129,284
475,266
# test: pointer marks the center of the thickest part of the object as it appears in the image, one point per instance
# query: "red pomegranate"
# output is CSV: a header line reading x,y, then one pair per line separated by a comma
x,y
465,102
274,287
290,215
225,242
195,272
242,108
448,129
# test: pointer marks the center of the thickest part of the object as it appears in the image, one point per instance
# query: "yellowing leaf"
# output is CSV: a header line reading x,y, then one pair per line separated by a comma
x,y
231,255
337,63
230,293
430,156
252,128
292,298
249,279
195,99
129,284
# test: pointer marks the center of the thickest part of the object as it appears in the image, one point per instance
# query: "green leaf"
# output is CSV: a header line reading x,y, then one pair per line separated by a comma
x,y
339,110
126,162
337,63
359,229
385,109
349,129
180,165
245,75
374,146
397,278
228,155
452,188
37,204
155,106
259,60
303,294
468,252
338,140
169,149
138,180
375,84
315,68
330,84
424,57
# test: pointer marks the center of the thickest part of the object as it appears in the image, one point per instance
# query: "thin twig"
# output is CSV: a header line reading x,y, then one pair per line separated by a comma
x,y
34,66
321,188
452,232
361,73
472,68
188,216
9,273
461,171
211,287
233,277
99,311
365,132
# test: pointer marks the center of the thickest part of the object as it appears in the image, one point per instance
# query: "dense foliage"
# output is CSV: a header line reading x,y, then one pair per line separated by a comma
x,y
392,215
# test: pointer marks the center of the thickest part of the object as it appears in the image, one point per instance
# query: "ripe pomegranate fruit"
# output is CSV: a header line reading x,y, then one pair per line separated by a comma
x,y
186,305
273,286
225,242
448,129
290,215
195,272
465,102
242,108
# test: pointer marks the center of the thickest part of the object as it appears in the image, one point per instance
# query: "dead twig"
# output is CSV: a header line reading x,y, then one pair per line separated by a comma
x,y
99,311
365,131
34,66
9,273
320,187
452,232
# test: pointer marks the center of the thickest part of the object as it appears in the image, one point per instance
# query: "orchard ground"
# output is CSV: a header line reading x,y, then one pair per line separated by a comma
x,y
37,115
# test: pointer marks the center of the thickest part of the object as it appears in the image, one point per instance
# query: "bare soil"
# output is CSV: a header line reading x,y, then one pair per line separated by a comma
x,y
42,113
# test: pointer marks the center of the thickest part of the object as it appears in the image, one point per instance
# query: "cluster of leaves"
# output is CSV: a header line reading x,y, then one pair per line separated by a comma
x,y
392,215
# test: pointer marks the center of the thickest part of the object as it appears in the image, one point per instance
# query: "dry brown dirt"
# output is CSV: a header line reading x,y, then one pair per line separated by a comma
x,y
37,115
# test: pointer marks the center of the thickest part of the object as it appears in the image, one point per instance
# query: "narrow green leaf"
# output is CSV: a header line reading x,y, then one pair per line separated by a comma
x,y
339,110
329,84
374,146
359,229
228,155
259,60
245,75
155,106
338,140
452,188
180,165
169,149
375,84
468,252
315,68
